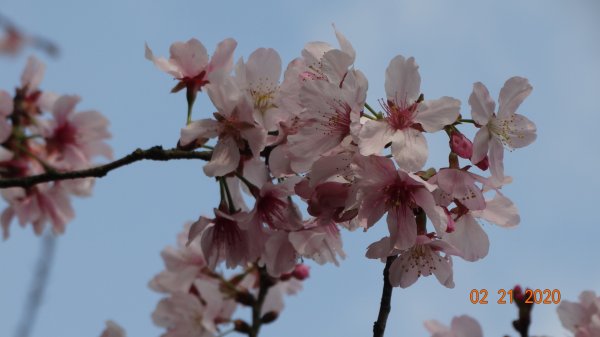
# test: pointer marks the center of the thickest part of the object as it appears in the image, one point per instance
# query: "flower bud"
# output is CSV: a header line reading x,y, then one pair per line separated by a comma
x,y
461,145
484,164
301,272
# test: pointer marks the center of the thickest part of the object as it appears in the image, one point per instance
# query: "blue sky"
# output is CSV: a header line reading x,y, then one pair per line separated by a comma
x,y
111,250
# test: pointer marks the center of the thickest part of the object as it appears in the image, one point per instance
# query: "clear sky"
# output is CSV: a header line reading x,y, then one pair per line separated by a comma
x,y
111,250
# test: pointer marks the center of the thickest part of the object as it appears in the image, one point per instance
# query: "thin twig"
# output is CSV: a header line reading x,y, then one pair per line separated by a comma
x,y
386,297
153,153
38,286
264,284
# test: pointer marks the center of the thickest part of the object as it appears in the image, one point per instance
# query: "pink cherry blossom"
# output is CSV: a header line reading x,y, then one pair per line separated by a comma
x,y
406,117
234,126
583,317
504,129
222,239
259,78
183,265
332,118
187,315
320,241
421,259
189,62
461,326
39,205
113,330
379,188
73,139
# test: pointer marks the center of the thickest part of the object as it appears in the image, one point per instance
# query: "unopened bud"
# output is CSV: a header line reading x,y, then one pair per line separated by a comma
x,y
461,145
301,272
269,317
241,326
484,164
245,298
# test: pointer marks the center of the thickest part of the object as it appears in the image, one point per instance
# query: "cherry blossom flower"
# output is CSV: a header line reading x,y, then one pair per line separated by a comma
x,y
234,126
319,241
75,138
379,188
406,117
581,318
222,239
421,259
461,326
189,62
504,129
39,205
259,78
113,330
332,118
187,315
182,265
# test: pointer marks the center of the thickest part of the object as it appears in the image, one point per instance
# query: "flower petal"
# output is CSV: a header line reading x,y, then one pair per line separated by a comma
x,y
482,104
433,115
402,80
409,149
512,94
225,158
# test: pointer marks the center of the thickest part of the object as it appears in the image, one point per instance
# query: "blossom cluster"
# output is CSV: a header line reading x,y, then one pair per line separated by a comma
x,y
312,137
42,132
201,300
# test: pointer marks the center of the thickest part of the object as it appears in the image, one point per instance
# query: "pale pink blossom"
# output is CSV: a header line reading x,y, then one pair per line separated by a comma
x,y
38,205
234,126
187,315
279,255
319,241
461,326
183,264
460,187
222,239
581,318
331,115
73,139
469,238
32,75
406,117
113,330
190,64
421,259
505,128
379,188
500,211
259,78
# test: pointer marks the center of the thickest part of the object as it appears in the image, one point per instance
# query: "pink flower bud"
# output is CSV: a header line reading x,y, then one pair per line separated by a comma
x,y
461,145
301,272
484,164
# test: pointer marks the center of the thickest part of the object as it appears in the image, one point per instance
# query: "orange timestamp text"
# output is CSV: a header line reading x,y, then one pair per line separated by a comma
x,y
531,296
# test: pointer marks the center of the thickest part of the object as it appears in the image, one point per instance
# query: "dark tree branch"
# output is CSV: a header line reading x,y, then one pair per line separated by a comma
x,y
153,153
386,297
38,286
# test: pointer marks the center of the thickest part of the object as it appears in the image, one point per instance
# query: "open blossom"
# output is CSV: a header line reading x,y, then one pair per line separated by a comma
x,y
379,188
406,117
506,128
39,205
259,78
581,318
187,315
183,265
73,139
234,126
320,241
422,259
461,326
189,62
222,239
331,118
